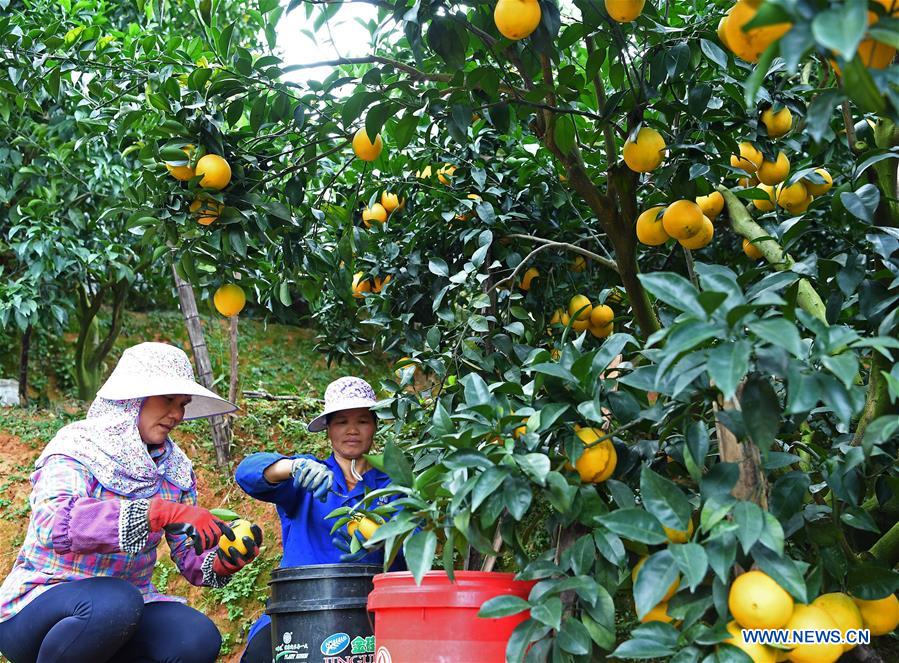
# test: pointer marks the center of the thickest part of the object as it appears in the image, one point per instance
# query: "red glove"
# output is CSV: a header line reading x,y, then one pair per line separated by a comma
x,y
229,563
194,521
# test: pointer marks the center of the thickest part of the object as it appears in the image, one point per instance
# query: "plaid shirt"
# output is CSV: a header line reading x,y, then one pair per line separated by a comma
x,y
80,530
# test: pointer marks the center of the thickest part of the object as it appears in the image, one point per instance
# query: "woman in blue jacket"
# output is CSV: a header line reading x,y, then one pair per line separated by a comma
x,y
305,490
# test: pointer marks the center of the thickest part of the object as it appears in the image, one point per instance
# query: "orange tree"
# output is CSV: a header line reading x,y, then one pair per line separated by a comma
x,y
641,275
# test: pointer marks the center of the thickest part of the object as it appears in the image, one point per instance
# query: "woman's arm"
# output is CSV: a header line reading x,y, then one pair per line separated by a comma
x,y
265,476
197,569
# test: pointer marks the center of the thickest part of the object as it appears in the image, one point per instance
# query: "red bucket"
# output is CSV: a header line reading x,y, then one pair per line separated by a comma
x,y
437,622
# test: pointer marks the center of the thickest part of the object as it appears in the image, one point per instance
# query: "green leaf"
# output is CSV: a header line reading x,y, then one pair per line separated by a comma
x,y
783,570
727,364
535,465
489,481
503,606
564,133
870,582
861,88
438,266
692,561
652,640
750,522
841,28
549,612
419,550
760,400
674,290
524,634
696,448
517,496
397,465
663,499
574,637
634,524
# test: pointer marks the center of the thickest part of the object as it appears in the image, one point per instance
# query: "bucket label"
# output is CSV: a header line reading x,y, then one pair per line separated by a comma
x,y
362,650
335,643
383,656
291,651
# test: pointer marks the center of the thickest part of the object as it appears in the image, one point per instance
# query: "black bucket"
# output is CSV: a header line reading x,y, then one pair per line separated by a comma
x,y
319,613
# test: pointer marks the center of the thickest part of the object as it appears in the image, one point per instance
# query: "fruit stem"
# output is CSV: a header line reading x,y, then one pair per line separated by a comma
x,y
741,221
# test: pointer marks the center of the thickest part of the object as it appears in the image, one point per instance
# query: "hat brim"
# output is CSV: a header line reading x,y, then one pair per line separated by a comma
x,y
204,403
320,423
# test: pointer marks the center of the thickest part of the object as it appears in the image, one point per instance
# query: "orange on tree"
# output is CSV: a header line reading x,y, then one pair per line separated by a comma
x,y
842,610
598,462
701,239
757,601
391,202
229,299
624,11
215,170
360,285
365,148
465,216
424,173
601,318
380,282
774,172
750,45
206,210
579,264
650,230
556,318
757,652
819,188
794,198
765,205
683,219
751,250
749,159
812,617
241,528
881,616
677,535
672,590
579,308
778,123
746,182
445,174
374,213
529,276
722,30
711,205
646,153
185,172
658,614
516,19
580,325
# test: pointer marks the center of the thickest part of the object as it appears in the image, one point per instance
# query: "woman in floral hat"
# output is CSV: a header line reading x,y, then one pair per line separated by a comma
x,y
104,493
305,490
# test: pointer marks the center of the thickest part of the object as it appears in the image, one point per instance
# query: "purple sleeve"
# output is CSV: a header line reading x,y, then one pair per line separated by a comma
x,y
87,525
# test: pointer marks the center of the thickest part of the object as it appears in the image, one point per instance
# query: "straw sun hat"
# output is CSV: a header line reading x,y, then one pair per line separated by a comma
x,y
159,369
346,393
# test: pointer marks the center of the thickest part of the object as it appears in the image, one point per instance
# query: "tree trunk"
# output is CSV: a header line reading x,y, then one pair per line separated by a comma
x,y
752,484
23,366
221,434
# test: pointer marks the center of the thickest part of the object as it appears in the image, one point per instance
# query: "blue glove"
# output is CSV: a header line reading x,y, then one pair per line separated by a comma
x,y
344,542
312,476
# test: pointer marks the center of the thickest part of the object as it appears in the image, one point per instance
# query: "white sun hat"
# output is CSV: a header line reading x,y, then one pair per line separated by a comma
x,y
160,369
346,393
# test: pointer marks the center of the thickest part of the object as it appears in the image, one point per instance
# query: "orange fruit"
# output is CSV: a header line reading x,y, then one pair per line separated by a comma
x,y
241,528
777,123
658,614
360,286
712,204
812,617
646,153
822,188
765,205
757,601
390,202
879,615
683,219
529,276
364,148
751,249
380,282
794,198
841,610
445,174
580,308
516,19
749,159
598,462
183,173
774,172
465,216
366,526
624,11
374,213
579,264
215,171
229,299
722,30
650,230
556,318
206,210
750,45
701,239
758,653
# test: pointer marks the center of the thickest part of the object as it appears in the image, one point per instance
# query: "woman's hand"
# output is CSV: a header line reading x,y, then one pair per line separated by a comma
x,y
229,563
312,476
194,521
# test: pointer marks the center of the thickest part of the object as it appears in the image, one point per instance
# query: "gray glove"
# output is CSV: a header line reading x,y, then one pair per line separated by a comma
x,y
312,476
